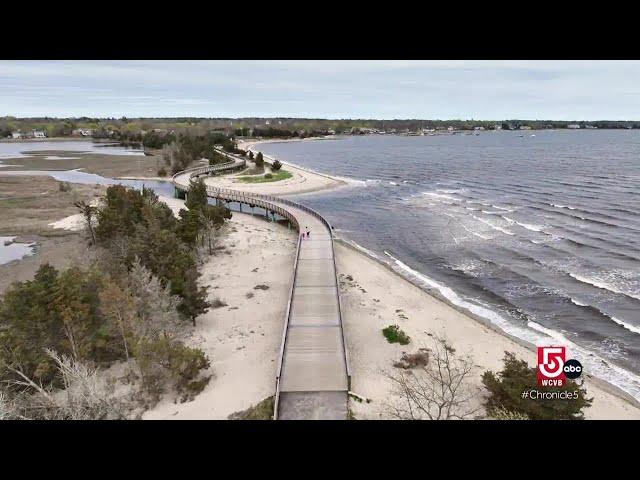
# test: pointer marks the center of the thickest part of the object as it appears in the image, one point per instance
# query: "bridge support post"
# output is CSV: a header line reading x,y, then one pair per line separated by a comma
x,y
240,207
252,210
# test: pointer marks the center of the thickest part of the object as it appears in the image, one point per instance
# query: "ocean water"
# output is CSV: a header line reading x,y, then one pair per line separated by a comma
x,y
539,234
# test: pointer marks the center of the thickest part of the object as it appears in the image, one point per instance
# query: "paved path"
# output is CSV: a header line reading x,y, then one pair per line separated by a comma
x,y
312,379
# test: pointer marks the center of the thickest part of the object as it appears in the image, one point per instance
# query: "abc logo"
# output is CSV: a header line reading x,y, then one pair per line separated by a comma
x,y
572,369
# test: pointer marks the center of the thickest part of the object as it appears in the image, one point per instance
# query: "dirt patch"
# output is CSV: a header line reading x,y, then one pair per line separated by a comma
x,y
112,166
29,204
61,252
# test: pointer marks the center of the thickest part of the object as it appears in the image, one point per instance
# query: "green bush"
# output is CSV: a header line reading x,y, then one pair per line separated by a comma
x,y
64,186
260,411
393,334
165,362
277,165
162,172
268,175
506,387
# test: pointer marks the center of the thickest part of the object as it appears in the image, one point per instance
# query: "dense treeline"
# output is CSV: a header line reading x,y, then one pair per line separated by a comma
x,y
180,152
156,132
133,303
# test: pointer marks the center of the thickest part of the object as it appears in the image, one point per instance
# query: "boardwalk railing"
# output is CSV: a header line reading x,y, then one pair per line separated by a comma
x,y
269,203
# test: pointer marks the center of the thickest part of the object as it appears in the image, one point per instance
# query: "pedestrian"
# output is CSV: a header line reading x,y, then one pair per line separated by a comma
x,y
308,234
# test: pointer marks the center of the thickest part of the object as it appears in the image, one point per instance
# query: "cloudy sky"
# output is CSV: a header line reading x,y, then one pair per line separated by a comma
x,y
492,90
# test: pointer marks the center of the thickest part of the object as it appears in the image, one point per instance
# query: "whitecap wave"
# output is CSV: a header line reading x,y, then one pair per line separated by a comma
x,y
440,196
598,283
495,227
562,206
622,323
510,210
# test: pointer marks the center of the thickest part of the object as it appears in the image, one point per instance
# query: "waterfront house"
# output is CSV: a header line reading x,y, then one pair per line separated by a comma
x,y
17,135
573,126
525,127
39,134
497,127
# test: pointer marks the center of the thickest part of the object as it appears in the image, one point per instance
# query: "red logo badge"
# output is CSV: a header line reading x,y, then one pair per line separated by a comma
x,y
551,366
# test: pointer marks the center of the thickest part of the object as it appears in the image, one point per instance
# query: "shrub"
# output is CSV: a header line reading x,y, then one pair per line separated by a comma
x,y
268,175
259,160
277,165
413,360
166,363
162,172
64,186
393,334
506,387
217,303
261,411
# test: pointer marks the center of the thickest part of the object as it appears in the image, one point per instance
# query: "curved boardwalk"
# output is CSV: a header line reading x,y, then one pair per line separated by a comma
x,y
313,377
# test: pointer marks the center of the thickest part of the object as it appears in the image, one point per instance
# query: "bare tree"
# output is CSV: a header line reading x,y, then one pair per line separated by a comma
x,y
86,396
440,390
156,307
89,213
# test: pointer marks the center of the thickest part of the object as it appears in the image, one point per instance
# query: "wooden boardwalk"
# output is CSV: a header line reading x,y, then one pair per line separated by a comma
x,y
312,378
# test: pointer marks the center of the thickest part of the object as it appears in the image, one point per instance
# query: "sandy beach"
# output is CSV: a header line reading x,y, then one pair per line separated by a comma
x,y
242,338
377,297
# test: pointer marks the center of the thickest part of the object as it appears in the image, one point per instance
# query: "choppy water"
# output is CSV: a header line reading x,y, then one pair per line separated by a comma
x,y
540,234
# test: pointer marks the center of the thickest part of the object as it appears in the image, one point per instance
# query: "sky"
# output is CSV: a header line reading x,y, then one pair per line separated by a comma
x,y
480,90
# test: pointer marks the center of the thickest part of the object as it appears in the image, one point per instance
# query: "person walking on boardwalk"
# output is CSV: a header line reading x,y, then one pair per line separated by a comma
x,y
308,234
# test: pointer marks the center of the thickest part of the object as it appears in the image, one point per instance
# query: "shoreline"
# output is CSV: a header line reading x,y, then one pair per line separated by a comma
x,y
250,145
431,292
602,383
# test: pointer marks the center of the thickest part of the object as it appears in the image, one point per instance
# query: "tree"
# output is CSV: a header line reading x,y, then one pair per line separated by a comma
x,y
117,306
259,161
440,390
197,195
165,361
250,155
275,166
89,213
506,388
155,305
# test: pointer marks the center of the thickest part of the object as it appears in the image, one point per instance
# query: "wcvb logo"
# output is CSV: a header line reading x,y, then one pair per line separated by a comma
x,y
554,369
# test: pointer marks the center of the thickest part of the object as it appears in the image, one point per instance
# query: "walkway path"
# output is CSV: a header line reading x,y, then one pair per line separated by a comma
x,y
312,379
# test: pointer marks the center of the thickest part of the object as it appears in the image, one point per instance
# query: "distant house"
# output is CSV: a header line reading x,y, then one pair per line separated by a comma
x,y
82,133
497,127
39,134
17,135
525,127
573,126
450,129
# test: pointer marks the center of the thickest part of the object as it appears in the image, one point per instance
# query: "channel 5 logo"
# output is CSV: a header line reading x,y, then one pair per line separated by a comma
x,y
554,368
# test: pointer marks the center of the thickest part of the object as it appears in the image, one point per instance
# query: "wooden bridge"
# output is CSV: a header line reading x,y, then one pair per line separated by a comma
x,y
313,377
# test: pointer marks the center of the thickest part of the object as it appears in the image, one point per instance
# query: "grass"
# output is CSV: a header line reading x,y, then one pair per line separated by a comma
x,y
393,334
261,411
268,177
